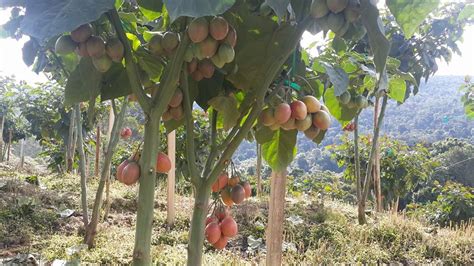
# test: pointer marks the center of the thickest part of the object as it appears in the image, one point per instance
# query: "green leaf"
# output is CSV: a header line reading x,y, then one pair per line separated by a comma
x,y
410,14
279,6
83,83
396,89
280,151
467,13
263,134
134,39
152,65
338,78
46,19
196,8
342,113
379,44
115,83
227,107
151,9
208,89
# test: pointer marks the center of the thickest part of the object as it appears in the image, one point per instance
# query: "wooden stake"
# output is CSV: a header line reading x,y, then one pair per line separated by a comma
x,y
276,216
171,214
97,152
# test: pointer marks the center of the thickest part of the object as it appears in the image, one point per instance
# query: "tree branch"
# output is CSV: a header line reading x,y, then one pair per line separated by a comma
x,y
213,151
373,150
114,106
357,157
188,114
130,66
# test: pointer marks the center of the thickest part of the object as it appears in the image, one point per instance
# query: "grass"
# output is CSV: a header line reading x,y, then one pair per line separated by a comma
x,y
313,233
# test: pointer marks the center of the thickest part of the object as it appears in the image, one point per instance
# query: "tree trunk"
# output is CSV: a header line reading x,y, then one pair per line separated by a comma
x,y
104,175
82,164
361,212
146,192
171,179
2,122
259,169
10,137
276,215
22,153
70,140
196,232
376,168
97,152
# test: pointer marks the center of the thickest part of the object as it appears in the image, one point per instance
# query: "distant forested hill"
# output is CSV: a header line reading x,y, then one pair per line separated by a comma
x,y
434,114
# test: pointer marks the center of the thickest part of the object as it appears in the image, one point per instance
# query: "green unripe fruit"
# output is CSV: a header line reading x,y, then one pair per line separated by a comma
x,y
361,101
344,98
102,64
65,45
335,22
115,49
319,8
155,46
170,41
217,61
336,6
189,54
82,33
95,46
226,53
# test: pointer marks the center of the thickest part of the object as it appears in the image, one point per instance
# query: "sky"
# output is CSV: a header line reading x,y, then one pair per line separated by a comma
x,y
11,62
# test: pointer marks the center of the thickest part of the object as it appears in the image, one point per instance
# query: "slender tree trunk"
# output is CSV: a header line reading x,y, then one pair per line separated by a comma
x,y
368,175
97,152
376,168
171,178
276,215
259,169
107,197
196,231
70,140
10,137
146,193
104,175
359,185
22,153
2,122
82,164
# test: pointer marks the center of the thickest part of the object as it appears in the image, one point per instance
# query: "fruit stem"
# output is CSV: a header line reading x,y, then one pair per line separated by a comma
x,y
130,66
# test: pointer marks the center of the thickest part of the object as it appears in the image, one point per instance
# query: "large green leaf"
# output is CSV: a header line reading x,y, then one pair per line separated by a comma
x,y
338,78
342,113
280,151
263,134
208,89
48,18
375,30
196,8
397,88
83,84
115,83
256,45
151,9
227,107
410,14
279,6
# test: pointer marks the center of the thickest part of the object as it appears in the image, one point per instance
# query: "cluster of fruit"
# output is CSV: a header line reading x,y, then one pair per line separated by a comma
x,y
85,44
336,15
350,127
220,226
163,44
125,133
307,115
212,46
356,101
128,172
175,107
232,190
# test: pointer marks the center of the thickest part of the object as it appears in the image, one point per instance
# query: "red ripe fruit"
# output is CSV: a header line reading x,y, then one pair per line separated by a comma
x,y
321,119
198,29
177,98
229,227
82,33
298,110
282,113
131,173
197,75
192,66
163,163
213,232
248,189
221,213
125,133
211,218
218,28
120,170
231,37
237,194
220,183
206,67
221,243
